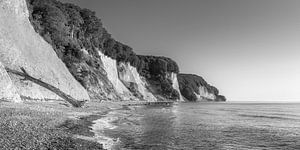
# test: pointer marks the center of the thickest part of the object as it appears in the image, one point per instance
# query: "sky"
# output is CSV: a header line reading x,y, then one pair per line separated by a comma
x,y
248,49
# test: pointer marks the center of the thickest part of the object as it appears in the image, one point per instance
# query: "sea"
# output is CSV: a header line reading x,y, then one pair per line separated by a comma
x,y
207,126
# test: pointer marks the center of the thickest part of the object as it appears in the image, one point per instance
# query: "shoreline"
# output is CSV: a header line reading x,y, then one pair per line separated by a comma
x,y
92,128
51,125
77,128
100,125
108,122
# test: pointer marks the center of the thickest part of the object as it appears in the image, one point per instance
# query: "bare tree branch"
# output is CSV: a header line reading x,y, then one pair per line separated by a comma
x,y
68,98
24,71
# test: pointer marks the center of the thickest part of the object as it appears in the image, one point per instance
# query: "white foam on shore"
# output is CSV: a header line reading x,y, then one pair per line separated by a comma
x,y
102,124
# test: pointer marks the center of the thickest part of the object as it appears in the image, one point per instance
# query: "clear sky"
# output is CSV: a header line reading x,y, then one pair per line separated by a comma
x,y
248,49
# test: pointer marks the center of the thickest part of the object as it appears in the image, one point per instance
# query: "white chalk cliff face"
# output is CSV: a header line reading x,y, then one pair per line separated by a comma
x,y
130,77
110,66
204,94
173,77
7,89
21,46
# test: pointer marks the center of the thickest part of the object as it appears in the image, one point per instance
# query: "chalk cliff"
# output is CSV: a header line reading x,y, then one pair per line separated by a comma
x,y
174,80
110,66
7,89
92,55
134,82
21,46
195,88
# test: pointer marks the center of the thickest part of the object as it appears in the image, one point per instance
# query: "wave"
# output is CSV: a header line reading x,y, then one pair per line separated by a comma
x,y
265,116
283,114
100,125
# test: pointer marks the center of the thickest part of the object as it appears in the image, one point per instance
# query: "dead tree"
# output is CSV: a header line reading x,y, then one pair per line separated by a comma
x,y
27,77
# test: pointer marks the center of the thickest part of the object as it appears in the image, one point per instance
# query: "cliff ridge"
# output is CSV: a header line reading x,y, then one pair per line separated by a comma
x,y
68,47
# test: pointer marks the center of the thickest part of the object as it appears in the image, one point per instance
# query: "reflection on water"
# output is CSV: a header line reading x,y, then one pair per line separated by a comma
x,y
211,126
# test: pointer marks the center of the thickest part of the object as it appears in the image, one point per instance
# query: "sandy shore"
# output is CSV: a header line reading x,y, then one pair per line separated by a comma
x,y
53,125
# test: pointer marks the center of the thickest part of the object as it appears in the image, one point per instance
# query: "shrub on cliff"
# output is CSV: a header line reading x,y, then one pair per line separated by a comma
x,y
153,66
167,89
221,98
188,93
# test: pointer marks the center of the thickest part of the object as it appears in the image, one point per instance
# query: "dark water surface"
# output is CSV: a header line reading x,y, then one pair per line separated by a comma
x,y
207,126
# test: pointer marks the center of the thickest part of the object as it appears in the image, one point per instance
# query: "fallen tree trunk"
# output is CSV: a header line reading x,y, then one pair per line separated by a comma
x,y
68,98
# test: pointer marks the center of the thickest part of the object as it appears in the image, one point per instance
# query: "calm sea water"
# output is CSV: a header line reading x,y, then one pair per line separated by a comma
x,y
240,126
